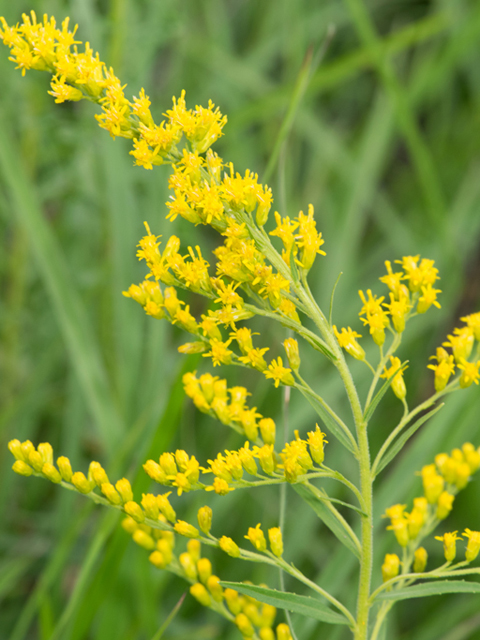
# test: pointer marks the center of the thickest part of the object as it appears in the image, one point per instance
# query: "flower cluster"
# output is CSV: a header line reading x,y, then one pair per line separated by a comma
x,y
461,342
441,481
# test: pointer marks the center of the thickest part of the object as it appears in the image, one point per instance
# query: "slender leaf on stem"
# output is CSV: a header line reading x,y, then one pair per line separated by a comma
x,y
330,313
318,501
431,589
374,403
338,429
383,458
303,605
171,616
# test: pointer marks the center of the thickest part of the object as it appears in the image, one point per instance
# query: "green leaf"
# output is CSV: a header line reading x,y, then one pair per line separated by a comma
x,y
294,269
397,446
330,314
431,589
330,422
303,605
330,517
373,404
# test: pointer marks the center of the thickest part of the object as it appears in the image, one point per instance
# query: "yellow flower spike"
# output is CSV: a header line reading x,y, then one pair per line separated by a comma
x,y
473,321
293,356
247,459
266,633
143,540
111,493
257,538
462,475
168,464
444,505
280,374
283,632
97,474
428,297
213,585
267,429
398,383
276,541
398,310
399,527
51,473
472,456
266,457
135,511
46,451
155,471
188,565
204,517
390,566
268,614
158,560
204,569
244,625
124,488
347,340
473,546
185,529
470,373
420,560
15,448
248,420
165,548
150,506
234,601
194,549
229,546
81,483
250,609
316,442
449,545
166,508
65,468
433,485
22,468
35,460
461,343
199,592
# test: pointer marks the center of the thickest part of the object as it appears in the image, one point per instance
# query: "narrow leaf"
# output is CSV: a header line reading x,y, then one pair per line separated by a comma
x,y
373,404
330,517
330,314
397,446
330,423
431,589
303,605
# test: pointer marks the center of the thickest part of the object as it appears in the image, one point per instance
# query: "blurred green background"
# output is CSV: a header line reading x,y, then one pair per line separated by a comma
x,y
385,143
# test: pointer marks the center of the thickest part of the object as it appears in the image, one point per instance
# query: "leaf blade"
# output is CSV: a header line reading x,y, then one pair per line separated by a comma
x,y
303,605
426,589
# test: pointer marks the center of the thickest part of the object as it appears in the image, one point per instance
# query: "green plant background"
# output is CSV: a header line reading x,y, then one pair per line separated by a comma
x,y
384,143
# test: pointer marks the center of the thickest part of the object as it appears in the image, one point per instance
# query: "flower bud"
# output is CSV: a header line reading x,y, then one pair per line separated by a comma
x,y
267,429
124,489
185,529
193,548
166,508
420,561
150,506
199,592
473,546
204,568
15,448
283,632
46,451
155,471
157,559
293,355
111,493
229,546
244,625
215,589
233,600
35,460
257,538
81,483
444,505
276,542
51,473
65,468
390,567
22,468
134,510
97,473
143,539
204,517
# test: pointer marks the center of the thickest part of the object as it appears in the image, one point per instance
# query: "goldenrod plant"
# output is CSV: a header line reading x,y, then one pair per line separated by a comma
x,y
252,273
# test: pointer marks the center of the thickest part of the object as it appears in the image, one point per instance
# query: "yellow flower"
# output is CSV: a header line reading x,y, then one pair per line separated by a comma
x,y
347,340
449,545
257,538
390,566
473,546
398,383
280,374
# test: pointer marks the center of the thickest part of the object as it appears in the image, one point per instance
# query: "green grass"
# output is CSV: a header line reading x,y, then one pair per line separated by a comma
x,y
383,140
